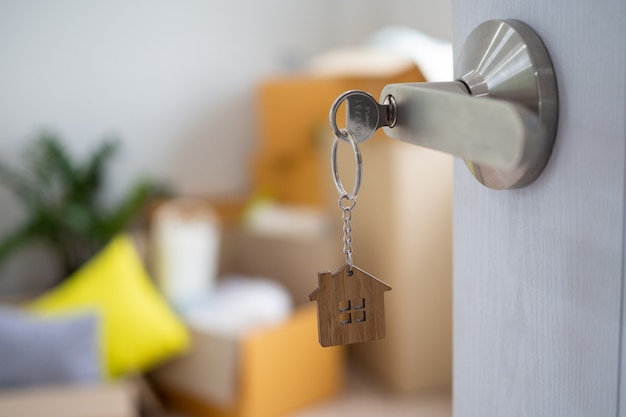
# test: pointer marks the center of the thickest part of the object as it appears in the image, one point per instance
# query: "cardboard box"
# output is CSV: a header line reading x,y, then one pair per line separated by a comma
x,y
291,161
401,227
292,261
98,400
273,371
280,370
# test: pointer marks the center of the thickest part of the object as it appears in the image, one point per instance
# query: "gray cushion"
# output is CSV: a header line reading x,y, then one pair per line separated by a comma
x,y
36,350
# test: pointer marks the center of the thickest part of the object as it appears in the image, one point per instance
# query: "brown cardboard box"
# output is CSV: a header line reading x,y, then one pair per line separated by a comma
x,y
402,227
273,371
292,261
280,370
294,130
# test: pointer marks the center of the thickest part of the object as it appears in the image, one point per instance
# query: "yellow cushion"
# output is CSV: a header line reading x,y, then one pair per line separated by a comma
x,y
139,329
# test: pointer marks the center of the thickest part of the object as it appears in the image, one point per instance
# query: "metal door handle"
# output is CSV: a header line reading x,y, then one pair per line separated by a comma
x,y
500,115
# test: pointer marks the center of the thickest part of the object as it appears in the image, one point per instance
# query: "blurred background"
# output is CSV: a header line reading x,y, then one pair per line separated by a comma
x,y
221,107
177,82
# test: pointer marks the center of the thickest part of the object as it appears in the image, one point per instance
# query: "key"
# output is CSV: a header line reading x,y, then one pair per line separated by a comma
x,y
364,115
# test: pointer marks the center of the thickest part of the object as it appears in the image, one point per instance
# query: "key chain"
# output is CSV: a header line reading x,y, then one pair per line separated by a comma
x,y
350,302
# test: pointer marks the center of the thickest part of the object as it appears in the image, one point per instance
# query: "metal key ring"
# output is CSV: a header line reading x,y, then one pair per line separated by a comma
x,y
345,133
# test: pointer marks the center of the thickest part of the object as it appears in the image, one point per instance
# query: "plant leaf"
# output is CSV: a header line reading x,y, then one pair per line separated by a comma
x,y
126,209
92,174
23,187
50,157
61,197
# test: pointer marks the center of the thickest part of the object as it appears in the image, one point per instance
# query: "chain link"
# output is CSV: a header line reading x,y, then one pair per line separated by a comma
x,y
346,216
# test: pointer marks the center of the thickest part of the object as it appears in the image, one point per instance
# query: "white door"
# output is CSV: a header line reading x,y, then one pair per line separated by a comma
x,y
539,272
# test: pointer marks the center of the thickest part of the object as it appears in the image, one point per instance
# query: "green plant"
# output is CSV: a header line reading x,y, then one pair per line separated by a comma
x,y
63,202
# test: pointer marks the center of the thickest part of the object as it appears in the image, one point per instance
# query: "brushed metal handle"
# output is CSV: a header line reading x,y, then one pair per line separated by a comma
x,y
450,120
500,115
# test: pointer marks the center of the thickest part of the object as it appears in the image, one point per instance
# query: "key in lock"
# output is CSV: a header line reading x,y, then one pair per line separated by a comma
x,y
364,115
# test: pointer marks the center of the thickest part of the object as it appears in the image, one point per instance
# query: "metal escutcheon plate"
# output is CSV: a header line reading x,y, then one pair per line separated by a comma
x,y
506,59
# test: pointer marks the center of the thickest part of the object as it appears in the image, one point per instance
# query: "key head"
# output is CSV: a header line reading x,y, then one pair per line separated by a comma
x,y
364,115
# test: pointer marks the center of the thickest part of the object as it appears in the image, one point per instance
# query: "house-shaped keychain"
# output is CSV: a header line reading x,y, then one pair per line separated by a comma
x,y
350,306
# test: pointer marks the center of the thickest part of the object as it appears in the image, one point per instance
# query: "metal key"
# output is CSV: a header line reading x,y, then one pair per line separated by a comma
x,y
364,115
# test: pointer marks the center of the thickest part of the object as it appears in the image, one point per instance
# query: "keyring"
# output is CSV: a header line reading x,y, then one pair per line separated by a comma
x,y
344,133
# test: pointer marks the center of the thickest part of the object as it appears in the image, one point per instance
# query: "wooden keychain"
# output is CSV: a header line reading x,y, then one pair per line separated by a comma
x,y
350,302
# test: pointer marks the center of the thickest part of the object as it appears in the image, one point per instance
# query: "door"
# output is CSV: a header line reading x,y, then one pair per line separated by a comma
x,y
539,272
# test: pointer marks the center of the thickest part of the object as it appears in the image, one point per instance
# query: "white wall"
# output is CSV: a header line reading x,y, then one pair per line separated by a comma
x,y
174,79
